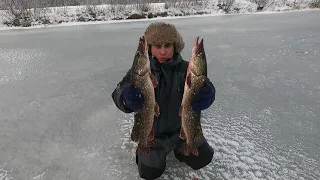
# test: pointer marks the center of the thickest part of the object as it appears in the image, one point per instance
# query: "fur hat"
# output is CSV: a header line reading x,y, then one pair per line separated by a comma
x,y
160,32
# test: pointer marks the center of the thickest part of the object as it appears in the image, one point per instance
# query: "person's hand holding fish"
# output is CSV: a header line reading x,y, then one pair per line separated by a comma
x,y
133,97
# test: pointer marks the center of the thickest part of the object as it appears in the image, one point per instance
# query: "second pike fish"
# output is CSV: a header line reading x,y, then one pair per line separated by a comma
x,y
196,76
142,78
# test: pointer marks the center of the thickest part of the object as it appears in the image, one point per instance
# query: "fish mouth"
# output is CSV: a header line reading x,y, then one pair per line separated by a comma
x,y
198,64
142,48
140,63
199,47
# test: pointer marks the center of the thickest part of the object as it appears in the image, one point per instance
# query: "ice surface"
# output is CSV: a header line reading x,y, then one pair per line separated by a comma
x,y
17,63
4,175
58,120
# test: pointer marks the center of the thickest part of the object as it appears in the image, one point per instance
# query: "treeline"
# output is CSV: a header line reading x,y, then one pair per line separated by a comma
x,y
32,12
27,12
25,4
4,4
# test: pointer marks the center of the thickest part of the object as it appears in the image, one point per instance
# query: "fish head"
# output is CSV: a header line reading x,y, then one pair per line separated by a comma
x,y
198,62
141,63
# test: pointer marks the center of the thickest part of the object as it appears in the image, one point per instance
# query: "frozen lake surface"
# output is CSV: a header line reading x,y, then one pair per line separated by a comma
x,y
58,121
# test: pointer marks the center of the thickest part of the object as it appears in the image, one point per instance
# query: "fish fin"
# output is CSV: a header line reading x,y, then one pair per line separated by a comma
x,y
199,133
151,135
190,149
157,110
189,80
154,80
143,149
182,134
134,134
203,80
180,110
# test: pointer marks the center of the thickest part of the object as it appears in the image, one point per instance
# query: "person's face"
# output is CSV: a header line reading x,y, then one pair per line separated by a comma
x,y
162,52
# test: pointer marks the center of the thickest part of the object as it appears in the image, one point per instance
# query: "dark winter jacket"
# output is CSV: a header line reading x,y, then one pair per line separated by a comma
x,y
171,78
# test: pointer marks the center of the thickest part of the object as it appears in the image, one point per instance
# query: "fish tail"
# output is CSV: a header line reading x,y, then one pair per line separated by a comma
x,y
190,149
199,133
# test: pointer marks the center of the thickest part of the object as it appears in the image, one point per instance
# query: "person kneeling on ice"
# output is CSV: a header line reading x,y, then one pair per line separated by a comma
x,y
167,65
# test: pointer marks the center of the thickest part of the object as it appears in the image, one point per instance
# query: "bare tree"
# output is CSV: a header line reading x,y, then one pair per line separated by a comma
x,y
19,8
226,5
260,3
143,5
263,4
315,4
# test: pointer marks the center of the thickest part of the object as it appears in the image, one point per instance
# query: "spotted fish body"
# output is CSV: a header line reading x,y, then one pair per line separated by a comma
x,y
142,78
196,76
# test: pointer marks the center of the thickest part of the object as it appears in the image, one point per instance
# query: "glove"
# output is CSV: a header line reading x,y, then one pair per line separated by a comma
x,y
132,97
203,98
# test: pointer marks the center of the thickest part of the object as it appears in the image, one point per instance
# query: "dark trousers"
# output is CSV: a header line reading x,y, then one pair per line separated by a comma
x,y
153,165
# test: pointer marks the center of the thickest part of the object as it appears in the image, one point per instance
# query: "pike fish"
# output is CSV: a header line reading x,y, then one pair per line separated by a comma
x,y
196,76
141,77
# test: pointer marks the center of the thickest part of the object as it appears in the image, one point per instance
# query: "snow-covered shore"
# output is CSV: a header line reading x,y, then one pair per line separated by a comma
x,y
99,14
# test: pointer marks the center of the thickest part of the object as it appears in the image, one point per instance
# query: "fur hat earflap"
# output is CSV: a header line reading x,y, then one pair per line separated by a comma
x,y
159,32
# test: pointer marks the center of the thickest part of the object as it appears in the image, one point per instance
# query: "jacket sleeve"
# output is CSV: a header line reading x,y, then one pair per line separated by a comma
x,y
117,93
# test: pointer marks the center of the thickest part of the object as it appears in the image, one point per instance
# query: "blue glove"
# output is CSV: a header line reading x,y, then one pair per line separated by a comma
x,y
203,98
132,97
